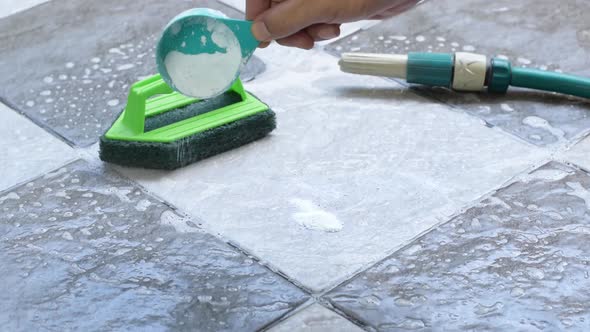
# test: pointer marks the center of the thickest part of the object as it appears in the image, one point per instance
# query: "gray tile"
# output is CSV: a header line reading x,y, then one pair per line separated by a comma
x,y
10,7
68,64
316,319
547,34
579,154
82,249
518,261
27,151
356,168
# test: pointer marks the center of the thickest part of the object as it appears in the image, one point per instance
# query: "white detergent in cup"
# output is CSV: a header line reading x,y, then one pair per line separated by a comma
x,y
206,75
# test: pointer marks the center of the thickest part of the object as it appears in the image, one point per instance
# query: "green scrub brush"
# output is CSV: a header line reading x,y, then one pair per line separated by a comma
x,y
463,72
200,56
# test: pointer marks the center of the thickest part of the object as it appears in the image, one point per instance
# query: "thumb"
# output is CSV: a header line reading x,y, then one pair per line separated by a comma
x,y
289,17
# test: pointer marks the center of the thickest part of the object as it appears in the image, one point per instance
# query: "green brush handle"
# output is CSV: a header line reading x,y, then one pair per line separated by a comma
x,y
551,81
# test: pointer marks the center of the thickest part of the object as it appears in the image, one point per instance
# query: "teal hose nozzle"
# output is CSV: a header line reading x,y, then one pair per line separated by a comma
x,y
463,72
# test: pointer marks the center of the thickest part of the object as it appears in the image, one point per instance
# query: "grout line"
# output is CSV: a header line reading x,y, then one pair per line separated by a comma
x,y
264,263
302,307
40,176
24,9
94,162
442,220
358,322
326,302
577,139
326,305
40,124
572,164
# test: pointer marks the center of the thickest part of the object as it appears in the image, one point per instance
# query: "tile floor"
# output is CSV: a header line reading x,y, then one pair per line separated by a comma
x,y
533,34
373,206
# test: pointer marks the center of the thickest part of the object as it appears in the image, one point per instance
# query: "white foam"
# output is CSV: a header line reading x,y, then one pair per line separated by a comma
x,y
125,66
11,195
143,205
524,61
540,123
113,102
507,108
398,38
313,217
580,191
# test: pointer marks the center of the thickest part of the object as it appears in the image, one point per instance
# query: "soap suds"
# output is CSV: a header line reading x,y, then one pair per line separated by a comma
x,y
469,48
580,191
540,123
11,195
313,217
143,205
125,66
206,75
398,38
113,102
524,61
507,108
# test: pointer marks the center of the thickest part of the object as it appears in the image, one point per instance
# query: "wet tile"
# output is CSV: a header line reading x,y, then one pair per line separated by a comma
x,y
316,319
72,72
236,4
516,262
27,151
10,7
82,249
504,28
579,154
356,167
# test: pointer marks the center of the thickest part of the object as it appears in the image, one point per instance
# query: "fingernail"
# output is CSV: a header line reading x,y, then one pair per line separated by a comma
x,y
329,33
260,31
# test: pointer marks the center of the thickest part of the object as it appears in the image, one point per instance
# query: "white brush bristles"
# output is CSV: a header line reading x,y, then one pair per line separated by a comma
x,y
387,65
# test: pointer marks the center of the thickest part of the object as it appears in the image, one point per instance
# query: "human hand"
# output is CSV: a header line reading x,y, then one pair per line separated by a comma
x,y
300,23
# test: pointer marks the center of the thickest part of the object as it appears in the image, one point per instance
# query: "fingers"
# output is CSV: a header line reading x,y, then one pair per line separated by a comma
x,y
306,39
289,17
321,32
300,23
255,8
300,39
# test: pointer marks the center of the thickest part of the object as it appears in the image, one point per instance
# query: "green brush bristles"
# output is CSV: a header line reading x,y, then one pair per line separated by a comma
x,y
193,148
